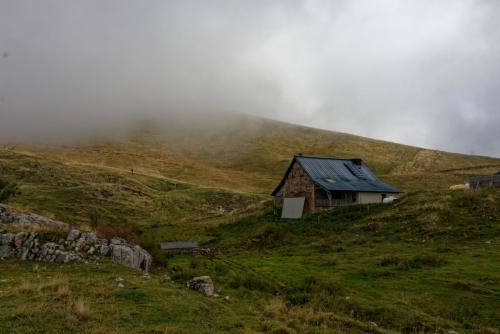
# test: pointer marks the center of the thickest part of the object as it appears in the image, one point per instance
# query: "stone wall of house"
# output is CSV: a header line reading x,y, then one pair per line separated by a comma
x,y
298,184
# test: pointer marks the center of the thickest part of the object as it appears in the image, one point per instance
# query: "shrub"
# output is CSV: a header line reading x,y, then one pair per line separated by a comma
x,y
127,232
179,273
416,262
94,218
420,261
153,248
8,190
251,282
314,289
390,261
272,236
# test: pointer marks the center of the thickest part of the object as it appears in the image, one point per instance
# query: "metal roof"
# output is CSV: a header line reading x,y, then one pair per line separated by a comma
x,y
339,174
179,245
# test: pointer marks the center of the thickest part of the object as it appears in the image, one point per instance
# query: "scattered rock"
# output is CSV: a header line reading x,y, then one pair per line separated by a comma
x,y
118,279
226,298
120,285
202,284
165,278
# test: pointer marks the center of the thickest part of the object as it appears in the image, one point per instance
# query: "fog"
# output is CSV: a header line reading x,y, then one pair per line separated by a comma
x,y
424,73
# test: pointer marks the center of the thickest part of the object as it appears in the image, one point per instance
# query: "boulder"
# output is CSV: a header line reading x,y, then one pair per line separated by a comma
x,y
73,235
7,239
28,220
6,245
131,256
65,256
102,246
33,220
202,284
118,241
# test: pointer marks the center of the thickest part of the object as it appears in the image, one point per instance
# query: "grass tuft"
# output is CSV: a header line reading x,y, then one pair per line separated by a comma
x,y
81,310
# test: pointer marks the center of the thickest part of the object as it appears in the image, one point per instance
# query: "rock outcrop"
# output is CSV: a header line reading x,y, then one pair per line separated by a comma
x,y
77,246
202,284
30,220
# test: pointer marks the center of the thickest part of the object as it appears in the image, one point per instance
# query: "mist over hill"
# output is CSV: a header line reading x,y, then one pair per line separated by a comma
x,y
420,73
249,153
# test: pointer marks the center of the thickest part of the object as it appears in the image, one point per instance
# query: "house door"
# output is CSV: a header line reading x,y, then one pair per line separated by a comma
x,y
293,207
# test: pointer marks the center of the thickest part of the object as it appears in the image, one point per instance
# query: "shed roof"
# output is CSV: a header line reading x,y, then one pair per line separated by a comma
x,y
179,245
339,174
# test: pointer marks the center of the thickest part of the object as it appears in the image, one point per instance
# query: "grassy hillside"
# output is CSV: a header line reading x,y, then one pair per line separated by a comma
x,y
425,264
157,176
250,154
115,201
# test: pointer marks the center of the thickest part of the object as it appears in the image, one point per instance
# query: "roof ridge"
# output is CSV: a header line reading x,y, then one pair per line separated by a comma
x,y
322,157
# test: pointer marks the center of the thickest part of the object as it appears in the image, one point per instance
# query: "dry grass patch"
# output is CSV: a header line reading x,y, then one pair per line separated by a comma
x,y
81,310
58,285
63,291
27,288
276,308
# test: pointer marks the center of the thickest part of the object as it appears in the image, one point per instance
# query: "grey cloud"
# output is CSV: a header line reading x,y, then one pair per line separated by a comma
x,y
417,72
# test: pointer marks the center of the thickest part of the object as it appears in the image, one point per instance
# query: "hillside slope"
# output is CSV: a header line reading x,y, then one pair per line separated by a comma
x,y
114,201
425,264
250,154
157,177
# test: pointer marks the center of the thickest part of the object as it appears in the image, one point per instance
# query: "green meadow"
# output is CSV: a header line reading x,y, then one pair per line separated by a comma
x,y
428,263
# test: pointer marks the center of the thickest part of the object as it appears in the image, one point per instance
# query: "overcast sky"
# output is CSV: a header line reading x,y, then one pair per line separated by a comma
x,y
425,73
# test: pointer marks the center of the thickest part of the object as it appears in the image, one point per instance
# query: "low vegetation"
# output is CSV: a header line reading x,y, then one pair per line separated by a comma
x,y
424,264
427,263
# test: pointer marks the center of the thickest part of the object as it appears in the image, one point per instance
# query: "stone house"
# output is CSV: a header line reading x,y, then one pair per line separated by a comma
x,y
314,184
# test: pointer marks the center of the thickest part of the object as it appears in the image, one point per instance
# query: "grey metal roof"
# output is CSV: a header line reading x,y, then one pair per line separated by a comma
x,y
340,175
179,245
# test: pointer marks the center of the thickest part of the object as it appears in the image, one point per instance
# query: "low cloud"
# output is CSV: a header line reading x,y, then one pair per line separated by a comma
x,y
425,73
